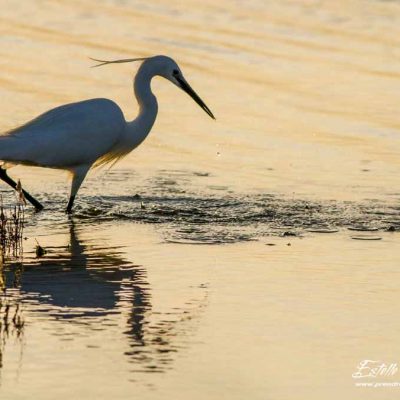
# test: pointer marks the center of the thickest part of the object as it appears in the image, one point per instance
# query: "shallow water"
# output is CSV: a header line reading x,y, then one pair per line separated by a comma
x,y
251,257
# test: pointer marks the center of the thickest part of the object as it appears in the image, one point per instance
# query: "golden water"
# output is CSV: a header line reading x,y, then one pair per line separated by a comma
x,y
306,96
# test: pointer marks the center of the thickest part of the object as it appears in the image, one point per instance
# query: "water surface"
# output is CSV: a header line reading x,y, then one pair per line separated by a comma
x,y
223,258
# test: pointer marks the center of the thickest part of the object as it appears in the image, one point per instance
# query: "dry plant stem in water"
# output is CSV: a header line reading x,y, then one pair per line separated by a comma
x,y
11,229
11,234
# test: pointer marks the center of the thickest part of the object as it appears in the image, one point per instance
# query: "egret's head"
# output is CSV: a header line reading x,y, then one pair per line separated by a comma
x,y
167,68
163,66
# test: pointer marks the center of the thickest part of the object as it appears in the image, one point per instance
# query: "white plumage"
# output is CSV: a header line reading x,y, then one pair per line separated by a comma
x,y
63,137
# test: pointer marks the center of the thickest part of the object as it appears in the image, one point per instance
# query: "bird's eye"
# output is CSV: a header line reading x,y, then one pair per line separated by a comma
x,y
175,72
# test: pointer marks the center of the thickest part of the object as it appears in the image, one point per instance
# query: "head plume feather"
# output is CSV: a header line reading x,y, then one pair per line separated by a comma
x,y
124,60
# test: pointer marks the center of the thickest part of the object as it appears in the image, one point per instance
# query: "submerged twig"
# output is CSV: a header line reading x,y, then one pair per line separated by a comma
x,y
39,250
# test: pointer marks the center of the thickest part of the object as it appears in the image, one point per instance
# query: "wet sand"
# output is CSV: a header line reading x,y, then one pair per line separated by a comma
x,y
226,258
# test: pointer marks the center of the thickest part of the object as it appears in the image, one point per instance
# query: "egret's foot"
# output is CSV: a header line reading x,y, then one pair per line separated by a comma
x,y
70,204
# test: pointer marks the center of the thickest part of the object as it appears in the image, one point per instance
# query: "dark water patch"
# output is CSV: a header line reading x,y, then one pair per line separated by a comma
x,y
363,228
190,218
209,213
366,237
322,230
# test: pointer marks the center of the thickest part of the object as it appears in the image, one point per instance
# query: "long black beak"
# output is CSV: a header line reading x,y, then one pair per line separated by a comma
x,y
188,89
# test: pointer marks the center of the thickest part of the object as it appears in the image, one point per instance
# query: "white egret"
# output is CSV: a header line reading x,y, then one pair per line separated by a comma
x,y
90,133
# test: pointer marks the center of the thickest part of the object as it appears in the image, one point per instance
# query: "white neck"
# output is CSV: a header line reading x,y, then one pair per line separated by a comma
x,y
139,128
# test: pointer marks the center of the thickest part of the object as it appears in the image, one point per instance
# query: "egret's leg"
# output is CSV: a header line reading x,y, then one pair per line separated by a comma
x,y
79,175
70,203
5,178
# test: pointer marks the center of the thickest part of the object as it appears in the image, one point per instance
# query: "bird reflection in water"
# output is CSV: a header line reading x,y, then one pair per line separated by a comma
x,y
87,285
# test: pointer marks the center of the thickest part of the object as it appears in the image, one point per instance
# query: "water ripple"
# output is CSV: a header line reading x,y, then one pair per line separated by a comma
x,y
184,214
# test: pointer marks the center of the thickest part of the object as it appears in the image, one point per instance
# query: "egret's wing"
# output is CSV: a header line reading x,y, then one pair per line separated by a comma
x,y
87,114
45,120
72,134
